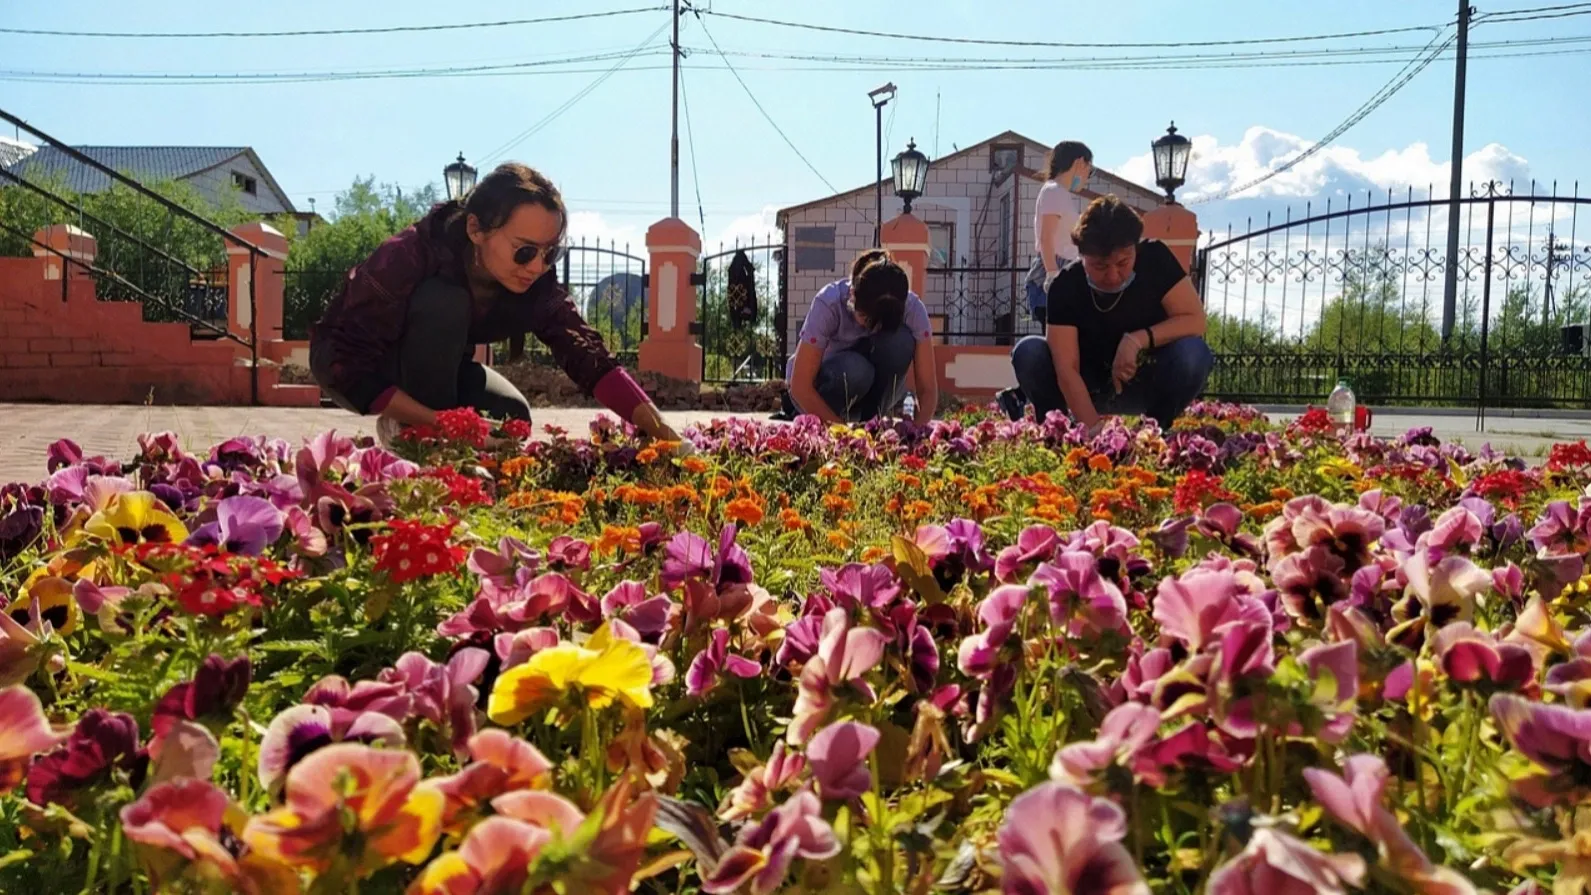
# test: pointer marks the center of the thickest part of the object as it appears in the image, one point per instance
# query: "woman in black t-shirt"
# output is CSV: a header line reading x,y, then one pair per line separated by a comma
x,y
1126,329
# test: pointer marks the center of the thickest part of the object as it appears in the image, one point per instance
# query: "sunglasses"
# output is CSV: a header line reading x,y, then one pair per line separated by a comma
x,y
528,253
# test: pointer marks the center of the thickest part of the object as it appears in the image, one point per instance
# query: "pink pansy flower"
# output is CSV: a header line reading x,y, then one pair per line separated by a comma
x,y
1059,839
1275,863
1034,545
183,823
1571,680
649,616
1191,608
500,763
351,803
998,612
838,757
303,730
1341,660
509,566
1081,601
1456,531
715,661
1556,738
1474,657
24,732
186,750
844,655
1279,538
1310,582
19,650
495,857
1355,801
517,648
753,795
445,695
1122,737
1438,593
763,852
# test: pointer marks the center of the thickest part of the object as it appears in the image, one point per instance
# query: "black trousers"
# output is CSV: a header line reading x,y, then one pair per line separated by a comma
x,y
431,362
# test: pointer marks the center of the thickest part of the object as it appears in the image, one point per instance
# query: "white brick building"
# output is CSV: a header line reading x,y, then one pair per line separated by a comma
x,y
978,204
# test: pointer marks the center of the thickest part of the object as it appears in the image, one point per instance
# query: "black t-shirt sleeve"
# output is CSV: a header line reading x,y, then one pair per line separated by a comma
x,y
1065,292
1158,269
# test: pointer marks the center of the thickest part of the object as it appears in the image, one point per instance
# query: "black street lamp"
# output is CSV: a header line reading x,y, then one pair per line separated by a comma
x,y
911,174
1172,152
880,97
458,178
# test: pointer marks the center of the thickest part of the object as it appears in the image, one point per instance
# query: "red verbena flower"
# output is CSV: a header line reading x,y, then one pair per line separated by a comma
x,y
519,429
1315,419
1506,485
464,490
465,425
1566,455
1198,489
411,549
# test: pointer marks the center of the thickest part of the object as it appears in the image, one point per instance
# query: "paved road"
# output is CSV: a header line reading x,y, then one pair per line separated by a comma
x,y
112,430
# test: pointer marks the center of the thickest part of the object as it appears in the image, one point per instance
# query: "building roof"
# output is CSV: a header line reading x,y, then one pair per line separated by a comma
x,y
13,151
1002,137
141,162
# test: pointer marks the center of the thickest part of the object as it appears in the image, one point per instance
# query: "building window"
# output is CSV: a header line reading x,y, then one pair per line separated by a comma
x,y
814,248
1004,157
245,183
941,245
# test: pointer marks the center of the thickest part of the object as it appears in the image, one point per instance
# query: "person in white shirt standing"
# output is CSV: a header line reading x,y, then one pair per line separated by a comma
x,y
1055,213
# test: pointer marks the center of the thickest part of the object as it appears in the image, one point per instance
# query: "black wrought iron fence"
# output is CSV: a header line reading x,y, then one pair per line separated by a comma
x,y
306,291
1359,288
743,336
979,305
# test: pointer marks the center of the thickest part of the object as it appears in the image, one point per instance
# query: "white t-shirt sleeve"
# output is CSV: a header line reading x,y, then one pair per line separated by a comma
x,y
1055,199
823,318
916,318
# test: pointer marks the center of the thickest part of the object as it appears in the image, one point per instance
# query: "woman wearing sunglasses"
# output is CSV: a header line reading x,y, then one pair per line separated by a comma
x,y
398,338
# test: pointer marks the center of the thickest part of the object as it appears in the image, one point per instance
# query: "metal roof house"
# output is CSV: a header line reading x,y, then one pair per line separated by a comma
x,y
215,171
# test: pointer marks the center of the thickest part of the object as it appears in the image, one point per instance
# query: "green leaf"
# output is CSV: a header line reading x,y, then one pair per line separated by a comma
x,y
911,564
93,673
21,854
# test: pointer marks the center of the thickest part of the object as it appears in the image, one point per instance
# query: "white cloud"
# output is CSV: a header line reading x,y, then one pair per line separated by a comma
x,y
759,229
592,227
1216,167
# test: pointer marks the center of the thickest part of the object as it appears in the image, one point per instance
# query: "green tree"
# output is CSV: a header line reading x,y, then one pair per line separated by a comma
x,y
1370,316
366,215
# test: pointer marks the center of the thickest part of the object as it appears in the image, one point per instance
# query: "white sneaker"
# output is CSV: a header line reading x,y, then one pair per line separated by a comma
x,y
387,432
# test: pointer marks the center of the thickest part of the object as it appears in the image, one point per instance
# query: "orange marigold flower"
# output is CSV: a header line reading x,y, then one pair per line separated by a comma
x,y
909,480
1100,463
837,505
1155,493
893,505
1262,511
1282,494
935,488
694,465
514,467
872,555
719,488
1077,456
792,521
745,510
616,538
646,455
916,510
683,494
844,486
839,540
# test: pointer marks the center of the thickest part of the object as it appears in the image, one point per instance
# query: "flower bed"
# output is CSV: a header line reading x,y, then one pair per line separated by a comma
x,y
983,656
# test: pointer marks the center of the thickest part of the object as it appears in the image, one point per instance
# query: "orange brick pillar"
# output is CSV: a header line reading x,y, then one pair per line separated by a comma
x,y
266,278
1175,226
67,240
906,238
670,347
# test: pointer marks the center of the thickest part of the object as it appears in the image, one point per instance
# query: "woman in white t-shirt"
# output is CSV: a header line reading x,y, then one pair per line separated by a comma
x,y
1055,214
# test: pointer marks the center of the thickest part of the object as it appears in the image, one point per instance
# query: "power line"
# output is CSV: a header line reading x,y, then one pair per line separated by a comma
x,y
769,118
568,104
1509,19
830,29
396,29
1404,76
1515,12
690,144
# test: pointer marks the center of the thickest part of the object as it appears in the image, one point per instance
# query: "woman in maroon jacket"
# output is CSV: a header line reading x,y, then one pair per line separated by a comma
x,y
398,338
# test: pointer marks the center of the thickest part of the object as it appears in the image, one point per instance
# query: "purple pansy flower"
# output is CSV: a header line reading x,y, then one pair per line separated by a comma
x,y
714,662
243,524
838,755
101,743
1057,838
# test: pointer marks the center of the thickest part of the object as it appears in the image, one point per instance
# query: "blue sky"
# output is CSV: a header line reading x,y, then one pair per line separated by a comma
x,y
609,151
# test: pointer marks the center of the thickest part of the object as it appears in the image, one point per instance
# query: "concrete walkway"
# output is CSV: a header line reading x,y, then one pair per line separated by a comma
x,y
26,430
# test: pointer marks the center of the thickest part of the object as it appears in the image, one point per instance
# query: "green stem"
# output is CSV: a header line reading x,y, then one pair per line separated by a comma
x,y
93,864
1476,718
877,831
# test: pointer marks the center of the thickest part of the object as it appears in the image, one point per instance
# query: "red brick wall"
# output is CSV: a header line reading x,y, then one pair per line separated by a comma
x,y
84,350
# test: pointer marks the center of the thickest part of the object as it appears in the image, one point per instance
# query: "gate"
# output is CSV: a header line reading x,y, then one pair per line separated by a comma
x,y
743,352
979,305
1358,290
608,284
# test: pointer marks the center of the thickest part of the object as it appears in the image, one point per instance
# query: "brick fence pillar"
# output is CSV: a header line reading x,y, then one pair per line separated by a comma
x,y
906,238
265,275
670,347
64,239
1175,226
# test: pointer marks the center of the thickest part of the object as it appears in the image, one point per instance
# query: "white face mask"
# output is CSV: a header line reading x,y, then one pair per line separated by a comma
x,y
1124,284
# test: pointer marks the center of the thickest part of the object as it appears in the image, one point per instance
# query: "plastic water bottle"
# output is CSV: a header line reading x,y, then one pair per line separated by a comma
x,y
1340,406
908,407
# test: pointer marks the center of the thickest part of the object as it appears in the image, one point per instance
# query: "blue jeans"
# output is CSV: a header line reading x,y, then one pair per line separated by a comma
x,y
869,378
1163,388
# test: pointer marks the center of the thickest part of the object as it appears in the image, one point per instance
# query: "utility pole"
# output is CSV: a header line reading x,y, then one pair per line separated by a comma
x,y
673,143
1456,182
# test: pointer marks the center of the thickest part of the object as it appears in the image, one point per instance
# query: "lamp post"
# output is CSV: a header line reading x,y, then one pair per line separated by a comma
x,y
458,178
1172,152
880,97
911,174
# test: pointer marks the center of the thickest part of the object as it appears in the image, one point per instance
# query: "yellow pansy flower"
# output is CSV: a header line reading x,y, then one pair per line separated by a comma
x,y
601,670
136,517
